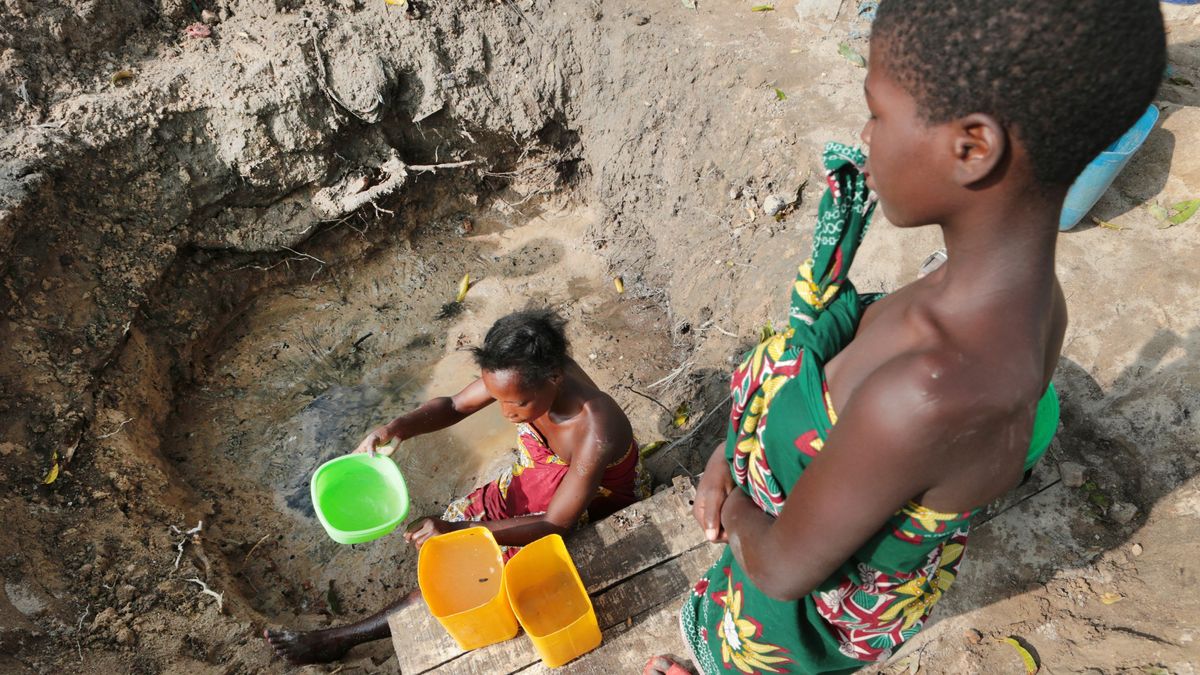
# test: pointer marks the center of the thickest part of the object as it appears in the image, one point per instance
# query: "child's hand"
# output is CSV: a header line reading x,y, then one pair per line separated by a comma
x,y
715,485
420,532
375,439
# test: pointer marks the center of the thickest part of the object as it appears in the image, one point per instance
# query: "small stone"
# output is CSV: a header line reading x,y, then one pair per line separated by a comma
x,y
735,193
6,449
86,570
1122,512
209,17
126,637
1136,549
104,618
1072,474
973,636
125,594
773,205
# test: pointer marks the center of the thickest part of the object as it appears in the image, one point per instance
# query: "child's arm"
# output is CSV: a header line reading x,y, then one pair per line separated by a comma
x,y
894,441
434,414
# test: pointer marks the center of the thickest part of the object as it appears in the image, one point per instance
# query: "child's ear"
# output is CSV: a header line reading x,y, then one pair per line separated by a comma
x,y
979,147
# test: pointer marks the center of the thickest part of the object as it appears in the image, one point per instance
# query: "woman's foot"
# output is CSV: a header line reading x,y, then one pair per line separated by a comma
x,y
316,646
665,665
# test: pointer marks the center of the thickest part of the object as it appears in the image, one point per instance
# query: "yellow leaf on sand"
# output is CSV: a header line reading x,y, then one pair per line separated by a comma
x,y
401,3
1111,598
619,284
651,448
681,415
1031,664
52,474
1107,225
463,287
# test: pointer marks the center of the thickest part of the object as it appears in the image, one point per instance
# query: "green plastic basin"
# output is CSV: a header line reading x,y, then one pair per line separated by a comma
x,y
359,498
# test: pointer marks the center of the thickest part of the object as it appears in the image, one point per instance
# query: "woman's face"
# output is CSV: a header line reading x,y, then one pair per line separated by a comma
x,y
518,401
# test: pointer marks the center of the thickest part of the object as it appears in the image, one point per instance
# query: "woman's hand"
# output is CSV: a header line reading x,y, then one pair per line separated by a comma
x,y
715,486
378,437
420,532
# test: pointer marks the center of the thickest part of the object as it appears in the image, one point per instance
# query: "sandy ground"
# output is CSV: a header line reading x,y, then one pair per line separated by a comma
x,y
189,340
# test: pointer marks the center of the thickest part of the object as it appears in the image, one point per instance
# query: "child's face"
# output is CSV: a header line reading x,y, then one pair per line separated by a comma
x,y
905,165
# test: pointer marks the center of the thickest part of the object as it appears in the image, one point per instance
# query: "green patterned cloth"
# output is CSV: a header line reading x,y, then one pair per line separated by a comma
x,y
884,593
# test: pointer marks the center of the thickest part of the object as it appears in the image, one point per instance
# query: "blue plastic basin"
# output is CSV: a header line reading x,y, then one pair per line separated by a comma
x,y
1100,174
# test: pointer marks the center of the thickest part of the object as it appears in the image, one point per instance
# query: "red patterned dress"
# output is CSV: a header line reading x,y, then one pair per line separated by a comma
x,y
527,488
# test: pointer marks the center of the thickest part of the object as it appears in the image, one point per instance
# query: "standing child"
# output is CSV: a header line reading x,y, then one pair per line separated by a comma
x,y
865,438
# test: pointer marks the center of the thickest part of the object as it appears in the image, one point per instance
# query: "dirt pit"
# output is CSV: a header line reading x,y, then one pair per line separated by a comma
x,y
226,264
303,372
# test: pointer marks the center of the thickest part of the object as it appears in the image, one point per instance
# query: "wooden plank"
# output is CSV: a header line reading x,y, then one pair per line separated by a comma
x,y
659,584
419,640
635,539
617,609
627,650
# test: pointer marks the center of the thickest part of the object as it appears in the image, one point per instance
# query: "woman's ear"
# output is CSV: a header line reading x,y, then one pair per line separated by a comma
x,y
980,144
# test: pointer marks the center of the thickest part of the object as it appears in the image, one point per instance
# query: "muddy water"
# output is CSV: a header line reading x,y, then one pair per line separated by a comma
x,y
304,372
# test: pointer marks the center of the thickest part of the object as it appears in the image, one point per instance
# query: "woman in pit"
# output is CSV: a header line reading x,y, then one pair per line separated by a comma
x,y
577,459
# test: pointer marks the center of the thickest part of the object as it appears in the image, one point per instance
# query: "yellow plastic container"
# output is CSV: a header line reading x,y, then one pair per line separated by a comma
x,y
461,575
550,601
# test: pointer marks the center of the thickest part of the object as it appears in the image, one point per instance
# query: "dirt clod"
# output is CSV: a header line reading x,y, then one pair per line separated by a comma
x,y
1072,474
126,637
1122,512
773,205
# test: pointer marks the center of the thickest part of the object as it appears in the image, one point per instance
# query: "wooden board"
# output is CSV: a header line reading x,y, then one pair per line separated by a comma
x,y
626,650
639,558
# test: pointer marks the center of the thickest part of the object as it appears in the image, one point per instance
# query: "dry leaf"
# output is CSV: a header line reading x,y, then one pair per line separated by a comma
x,y
681,415
619,284
1111,598
52,474
852,56
463,286
651,448
1107,225
120,76
1031,664
397,3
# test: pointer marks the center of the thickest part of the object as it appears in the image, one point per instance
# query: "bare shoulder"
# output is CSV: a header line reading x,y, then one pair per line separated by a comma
x,y
923,403
608,426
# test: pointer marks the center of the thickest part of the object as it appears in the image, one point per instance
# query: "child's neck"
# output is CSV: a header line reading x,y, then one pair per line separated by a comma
x,y
1007,244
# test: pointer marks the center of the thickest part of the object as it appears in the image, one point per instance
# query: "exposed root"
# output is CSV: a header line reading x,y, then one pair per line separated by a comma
x,y
208,591
186,535
79,629
348,195
116,431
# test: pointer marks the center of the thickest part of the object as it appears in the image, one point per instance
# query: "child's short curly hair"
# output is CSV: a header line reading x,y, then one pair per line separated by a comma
x,y
1066,78
532,342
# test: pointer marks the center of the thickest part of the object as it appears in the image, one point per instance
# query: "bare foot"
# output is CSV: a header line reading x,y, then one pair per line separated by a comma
x,y
317,646
664,665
